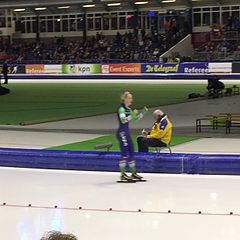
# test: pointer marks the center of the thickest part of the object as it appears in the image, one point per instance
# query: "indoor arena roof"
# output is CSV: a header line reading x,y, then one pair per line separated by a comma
x,y
68,6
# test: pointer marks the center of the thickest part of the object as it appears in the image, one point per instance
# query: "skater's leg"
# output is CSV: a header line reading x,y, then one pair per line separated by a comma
x,y
131,161
122,165
123,145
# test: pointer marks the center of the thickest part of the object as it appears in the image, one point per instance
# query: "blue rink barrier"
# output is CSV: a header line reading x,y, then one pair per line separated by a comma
x,y
183,76
108,161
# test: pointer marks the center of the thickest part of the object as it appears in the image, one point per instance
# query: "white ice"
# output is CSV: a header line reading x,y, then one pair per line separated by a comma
x,y
185,194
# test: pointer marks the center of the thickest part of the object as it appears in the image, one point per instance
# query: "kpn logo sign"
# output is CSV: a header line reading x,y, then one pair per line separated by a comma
x,y
80,69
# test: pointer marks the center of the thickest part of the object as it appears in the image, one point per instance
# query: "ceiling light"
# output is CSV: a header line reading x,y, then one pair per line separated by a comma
x,y
168,1
89,5
64,7
19,10
140,3
40,8
113,4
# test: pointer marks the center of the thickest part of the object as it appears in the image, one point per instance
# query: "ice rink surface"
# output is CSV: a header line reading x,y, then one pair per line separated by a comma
x,y
96,192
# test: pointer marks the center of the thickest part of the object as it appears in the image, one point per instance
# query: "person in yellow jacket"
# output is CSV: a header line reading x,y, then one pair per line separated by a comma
x,y
160,134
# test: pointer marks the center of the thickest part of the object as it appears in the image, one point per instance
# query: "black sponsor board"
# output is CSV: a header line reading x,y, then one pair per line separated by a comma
x,y
236,67
15,69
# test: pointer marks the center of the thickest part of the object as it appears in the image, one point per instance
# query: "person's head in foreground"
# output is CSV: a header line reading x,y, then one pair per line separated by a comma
x,y
158,114
58,236
127,99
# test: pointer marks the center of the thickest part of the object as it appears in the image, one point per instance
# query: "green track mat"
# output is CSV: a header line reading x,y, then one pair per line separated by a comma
x,y
89,145
30,103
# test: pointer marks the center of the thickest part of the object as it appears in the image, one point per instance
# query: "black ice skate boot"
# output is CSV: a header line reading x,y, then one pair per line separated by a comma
x,y
136,177
125,178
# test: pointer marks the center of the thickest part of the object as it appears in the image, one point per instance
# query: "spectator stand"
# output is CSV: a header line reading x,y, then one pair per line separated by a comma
x,y
125,48
223,46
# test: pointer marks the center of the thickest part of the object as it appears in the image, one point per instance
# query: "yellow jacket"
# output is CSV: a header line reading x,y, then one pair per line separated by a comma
x,y
161,130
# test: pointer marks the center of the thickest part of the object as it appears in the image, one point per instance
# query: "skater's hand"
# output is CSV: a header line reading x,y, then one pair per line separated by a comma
x,y
135,111
145,109
144,132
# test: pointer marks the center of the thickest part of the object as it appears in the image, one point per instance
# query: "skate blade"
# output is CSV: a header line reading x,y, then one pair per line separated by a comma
x,y
129,181
140,180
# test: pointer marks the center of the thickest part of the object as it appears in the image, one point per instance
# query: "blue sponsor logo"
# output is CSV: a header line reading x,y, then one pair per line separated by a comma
x,y
200,68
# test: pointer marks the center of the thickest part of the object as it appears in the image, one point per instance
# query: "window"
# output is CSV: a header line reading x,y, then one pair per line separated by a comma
x,y
50,24
43,26
236,8
98,22
65,27
57,22
80,23
130,21
235,14
225,17
197,10
90,23
122,22
197,19
73,24
206,9
225,8
206,19
2,22
9,24
114,21
215,18
106,21
34,25
28,30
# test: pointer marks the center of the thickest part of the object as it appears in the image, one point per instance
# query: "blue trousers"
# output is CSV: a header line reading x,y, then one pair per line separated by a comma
x,y
126,145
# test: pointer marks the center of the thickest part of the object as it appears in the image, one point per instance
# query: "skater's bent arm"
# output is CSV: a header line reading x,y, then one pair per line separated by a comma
x,y
122,115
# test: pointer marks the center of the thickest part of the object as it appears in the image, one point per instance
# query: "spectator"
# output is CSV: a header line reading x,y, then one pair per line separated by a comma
x,y
215,86
159,135
58,236
5,72
126,48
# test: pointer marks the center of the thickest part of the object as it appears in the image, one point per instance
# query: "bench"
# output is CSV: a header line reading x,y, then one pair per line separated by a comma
x,y
232,120
226,120
236,90
228,92
211,123
105,146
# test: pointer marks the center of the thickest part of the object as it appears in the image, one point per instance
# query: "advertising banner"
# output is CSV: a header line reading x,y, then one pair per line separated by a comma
x,y
160,68
13,69
53,69
128,68
81,69
35,69
236,67
194,67
220,67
